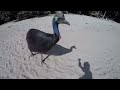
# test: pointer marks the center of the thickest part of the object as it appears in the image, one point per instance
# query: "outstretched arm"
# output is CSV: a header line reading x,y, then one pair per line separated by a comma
x,y
79,63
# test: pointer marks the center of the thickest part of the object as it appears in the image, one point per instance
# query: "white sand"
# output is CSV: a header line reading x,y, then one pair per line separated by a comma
x,y
97,42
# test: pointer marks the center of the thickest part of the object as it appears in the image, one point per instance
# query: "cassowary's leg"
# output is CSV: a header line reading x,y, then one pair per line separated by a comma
x,y
43,60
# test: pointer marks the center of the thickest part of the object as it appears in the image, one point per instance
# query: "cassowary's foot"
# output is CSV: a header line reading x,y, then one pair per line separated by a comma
x,y
32,54
43,60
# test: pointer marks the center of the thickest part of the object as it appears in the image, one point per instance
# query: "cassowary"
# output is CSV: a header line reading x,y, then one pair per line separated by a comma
x,y
42,42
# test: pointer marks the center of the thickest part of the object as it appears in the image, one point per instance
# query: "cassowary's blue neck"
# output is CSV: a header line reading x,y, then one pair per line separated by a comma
x,y
55,28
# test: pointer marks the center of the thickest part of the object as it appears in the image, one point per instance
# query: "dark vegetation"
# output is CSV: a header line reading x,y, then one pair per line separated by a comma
x,y
6,16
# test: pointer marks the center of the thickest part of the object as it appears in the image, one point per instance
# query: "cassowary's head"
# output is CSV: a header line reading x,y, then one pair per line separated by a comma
x,y
60,18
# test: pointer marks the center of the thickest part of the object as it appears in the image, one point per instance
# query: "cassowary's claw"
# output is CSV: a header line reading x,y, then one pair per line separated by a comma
x,y
43,61
33,54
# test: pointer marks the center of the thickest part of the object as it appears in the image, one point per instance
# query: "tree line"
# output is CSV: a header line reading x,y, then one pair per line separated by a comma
x,y
6,16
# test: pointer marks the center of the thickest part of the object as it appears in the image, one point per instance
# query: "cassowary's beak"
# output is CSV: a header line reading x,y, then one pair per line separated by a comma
x,y
66,22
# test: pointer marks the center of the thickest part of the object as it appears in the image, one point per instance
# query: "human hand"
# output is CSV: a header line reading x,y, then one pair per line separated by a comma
x,y
79,62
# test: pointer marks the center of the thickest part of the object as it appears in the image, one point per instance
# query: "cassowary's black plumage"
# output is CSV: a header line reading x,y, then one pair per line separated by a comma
x,y
42,42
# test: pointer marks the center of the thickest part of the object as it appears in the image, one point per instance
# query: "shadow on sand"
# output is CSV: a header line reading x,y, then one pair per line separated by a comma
x,y
56,50
86,70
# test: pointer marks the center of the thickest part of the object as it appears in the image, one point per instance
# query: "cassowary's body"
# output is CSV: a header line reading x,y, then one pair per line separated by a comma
x,y
40,41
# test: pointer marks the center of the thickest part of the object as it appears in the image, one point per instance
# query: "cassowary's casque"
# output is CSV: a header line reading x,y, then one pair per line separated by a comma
x,y
42,42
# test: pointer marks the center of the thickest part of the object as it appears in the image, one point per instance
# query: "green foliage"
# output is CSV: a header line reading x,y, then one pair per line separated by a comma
x,y
6,16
